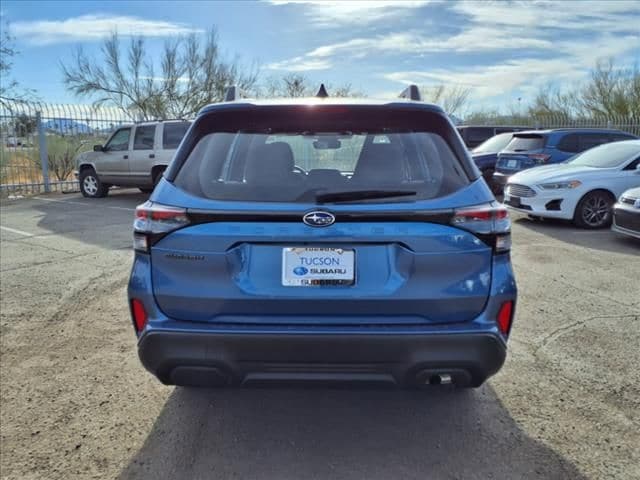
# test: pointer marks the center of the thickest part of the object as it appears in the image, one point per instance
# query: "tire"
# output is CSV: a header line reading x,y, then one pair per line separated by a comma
x,y
90,184
594,210
157,177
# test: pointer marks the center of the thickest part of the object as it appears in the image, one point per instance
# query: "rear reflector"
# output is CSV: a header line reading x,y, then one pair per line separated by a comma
x,y
139,314
505,315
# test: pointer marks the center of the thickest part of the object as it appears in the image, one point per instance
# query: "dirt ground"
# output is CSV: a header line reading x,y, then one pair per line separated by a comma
x,y
76,403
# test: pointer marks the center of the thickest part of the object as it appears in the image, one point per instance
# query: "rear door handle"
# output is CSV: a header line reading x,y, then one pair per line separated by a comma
x,y
152,155
126,157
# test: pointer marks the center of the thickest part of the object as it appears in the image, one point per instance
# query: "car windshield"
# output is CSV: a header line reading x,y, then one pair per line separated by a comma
x,y
321,166
607,156
494,144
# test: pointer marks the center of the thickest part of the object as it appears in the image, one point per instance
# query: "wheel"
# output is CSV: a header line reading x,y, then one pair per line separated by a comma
x,y
146,190
157,176
90,184
594,210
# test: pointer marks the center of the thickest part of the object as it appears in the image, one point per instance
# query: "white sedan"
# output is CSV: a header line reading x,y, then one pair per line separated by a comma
x,y
583,189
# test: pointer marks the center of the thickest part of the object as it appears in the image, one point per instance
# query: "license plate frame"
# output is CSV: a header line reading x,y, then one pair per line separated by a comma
x,y
322,266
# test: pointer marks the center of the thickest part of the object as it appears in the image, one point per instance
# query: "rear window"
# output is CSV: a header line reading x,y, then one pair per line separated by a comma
x,y
298,164
173,134
494,144
477,134
526,142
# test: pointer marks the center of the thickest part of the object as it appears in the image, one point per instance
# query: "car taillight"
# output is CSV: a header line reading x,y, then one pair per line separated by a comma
x,y
505,317
539,158
139,314
153,221
490,222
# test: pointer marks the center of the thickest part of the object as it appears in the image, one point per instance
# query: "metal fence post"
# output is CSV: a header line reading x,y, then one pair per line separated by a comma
x,y
44,157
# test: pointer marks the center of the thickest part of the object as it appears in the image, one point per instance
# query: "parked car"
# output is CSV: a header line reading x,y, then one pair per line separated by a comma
x,y
133,156
539,147
474,135
485,156
583,189
350,242
626,213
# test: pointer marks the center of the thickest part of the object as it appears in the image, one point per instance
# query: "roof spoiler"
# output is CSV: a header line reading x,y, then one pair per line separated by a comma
x,y
233,93
412,92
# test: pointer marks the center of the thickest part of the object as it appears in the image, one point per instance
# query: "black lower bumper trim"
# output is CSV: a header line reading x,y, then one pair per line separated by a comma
x,y
231,359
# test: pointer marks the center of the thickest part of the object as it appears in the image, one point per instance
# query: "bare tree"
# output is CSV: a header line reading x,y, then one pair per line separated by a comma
x,y
10,91
609,91
551,100
453,99
191,74
296,85
612,91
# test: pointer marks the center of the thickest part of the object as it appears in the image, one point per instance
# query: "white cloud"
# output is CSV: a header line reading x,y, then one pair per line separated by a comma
x,y
610,15
300,64
94,27
475,39
527,74
330,13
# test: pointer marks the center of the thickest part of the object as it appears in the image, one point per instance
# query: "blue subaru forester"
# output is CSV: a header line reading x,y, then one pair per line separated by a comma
x,y
322,241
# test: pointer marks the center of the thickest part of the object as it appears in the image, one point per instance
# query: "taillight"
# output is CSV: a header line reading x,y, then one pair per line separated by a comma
x,y
505,317
489,221
539,158
153,221
139,314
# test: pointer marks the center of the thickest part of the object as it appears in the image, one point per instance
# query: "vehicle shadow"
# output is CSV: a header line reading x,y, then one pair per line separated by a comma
x,y
564,231
282,434
102,222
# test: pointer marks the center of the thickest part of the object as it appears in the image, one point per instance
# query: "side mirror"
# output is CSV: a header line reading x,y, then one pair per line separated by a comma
x,y
98,148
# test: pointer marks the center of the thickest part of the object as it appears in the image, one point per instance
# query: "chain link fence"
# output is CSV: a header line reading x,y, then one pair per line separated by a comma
x,y
40,141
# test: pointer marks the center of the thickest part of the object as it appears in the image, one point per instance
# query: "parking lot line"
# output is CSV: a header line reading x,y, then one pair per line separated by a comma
x,y
84,204
17,232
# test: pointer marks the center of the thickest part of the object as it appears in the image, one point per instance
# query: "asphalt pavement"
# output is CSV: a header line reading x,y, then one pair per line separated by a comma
x,y
76,403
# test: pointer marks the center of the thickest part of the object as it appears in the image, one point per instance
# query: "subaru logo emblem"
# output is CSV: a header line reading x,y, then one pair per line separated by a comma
x,y
301,271
319,219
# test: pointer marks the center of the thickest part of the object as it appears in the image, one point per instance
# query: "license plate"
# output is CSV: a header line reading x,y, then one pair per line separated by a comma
x,y
312,267
512,163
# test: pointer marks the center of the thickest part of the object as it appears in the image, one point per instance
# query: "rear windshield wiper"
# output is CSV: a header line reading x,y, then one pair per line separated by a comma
x,y
352,195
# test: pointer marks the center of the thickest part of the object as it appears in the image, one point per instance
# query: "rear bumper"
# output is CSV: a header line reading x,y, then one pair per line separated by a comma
x,y
226,358
250,353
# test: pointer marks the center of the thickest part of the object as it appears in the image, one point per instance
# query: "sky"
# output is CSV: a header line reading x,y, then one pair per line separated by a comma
x,y
502,51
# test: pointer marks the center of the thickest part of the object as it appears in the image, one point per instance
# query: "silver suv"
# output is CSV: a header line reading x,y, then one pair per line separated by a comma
x,y
133,156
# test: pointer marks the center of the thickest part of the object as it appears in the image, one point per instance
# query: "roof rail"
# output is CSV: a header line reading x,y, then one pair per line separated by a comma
x,y
233,93
322,92
411,93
